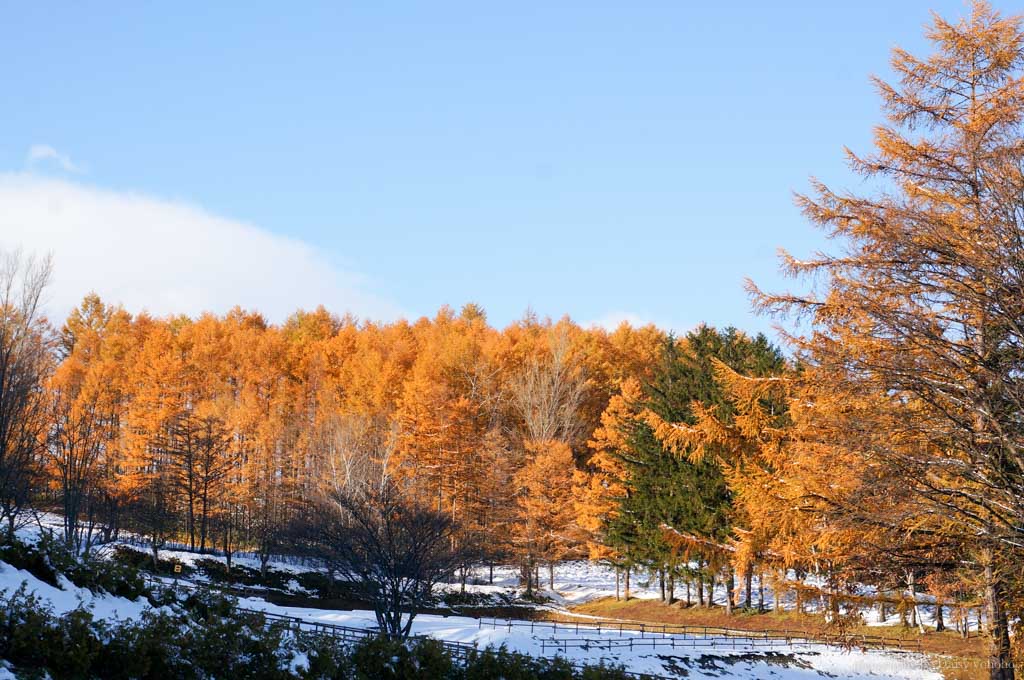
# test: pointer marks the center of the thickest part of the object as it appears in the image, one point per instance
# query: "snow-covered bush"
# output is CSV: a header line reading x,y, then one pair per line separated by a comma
x,y
393,660
48,558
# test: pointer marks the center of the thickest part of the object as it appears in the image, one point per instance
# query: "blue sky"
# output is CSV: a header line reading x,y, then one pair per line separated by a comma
x,y
603,160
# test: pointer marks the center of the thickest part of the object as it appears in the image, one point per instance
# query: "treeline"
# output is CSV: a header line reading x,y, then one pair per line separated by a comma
x,y
222,431
211,430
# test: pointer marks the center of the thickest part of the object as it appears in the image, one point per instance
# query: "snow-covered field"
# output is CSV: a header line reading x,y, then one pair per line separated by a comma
x,y
674,656
709,659
691,658
582,581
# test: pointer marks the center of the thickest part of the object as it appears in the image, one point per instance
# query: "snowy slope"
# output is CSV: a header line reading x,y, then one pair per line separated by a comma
x,y
709,659
691,659
69,597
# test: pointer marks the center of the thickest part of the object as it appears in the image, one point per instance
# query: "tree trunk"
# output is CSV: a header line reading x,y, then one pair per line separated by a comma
x,y
912,586
760,593
661,583
203,523
551,575
700,590
730,588
1000,661
191,523
526,575
227,546
748,602
617,584
940,624
627,585
671,587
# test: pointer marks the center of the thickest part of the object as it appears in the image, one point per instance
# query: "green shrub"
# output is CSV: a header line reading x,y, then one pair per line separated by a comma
x,y
144,562
327,660
207,637
384,659
470,599
49,558
96,572
37,559
323,586
241,643
146,648
74,645
25,628
500,663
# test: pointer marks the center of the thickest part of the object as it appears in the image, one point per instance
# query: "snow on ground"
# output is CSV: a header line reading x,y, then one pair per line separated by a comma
x,y
713,658
68,596
582,581
248,560
740,660
575,582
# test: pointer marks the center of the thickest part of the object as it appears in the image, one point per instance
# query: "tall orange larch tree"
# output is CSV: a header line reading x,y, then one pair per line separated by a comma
x,y
920,304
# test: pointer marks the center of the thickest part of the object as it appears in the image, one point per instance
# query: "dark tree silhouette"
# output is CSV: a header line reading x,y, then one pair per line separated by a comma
x,y
393,550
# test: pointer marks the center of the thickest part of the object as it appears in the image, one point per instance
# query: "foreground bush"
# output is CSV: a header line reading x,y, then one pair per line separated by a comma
x,y
49,558
206,637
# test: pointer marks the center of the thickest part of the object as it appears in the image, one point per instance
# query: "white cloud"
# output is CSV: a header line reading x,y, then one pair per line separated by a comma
x,y
40,153
613,320
169,257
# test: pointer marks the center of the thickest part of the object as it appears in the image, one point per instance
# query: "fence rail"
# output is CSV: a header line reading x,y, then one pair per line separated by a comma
x,y
715,635
348,634
641,634
637,634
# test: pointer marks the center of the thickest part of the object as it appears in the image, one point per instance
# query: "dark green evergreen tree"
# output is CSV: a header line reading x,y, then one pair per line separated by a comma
x,y
665,491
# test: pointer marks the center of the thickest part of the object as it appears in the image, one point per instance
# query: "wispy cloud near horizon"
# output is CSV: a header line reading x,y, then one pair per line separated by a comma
x,y
613,320
44,153
169,257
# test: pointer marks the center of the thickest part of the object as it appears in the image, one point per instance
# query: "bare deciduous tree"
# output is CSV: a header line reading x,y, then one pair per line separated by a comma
x,y
74,449
395,551
355,449
548,393
25,360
